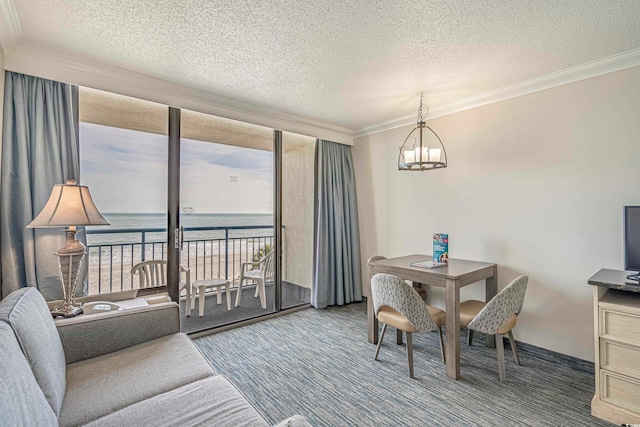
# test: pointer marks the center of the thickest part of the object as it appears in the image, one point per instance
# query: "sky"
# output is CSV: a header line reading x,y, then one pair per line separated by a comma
x,y
126,171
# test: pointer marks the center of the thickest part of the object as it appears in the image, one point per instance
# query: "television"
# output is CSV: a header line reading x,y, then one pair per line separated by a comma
x,y
632,240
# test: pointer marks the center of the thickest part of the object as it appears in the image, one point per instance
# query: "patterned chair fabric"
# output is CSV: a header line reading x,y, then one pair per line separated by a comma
x,y
497,311
391,291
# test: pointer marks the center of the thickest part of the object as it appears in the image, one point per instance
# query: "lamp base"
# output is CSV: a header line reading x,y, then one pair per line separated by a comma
x,y
66,311
70,256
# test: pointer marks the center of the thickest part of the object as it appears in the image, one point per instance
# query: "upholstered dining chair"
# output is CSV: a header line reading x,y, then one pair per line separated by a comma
x,y
396,303
497,317
154,273
421,292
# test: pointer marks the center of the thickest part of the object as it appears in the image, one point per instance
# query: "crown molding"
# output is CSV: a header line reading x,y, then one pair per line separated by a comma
x,y
63,67
10,30
568,75
80,71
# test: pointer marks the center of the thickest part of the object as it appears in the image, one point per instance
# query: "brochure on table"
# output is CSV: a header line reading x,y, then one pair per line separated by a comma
x,y
440,253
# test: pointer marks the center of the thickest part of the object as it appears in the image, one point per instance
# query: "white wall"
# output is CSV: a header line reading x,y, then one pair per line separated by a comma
x,y
536,184
297,213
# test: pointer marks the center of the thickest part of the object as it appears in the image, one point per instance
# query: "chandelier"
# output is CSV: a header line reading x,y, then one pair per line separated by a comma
x,y
422,150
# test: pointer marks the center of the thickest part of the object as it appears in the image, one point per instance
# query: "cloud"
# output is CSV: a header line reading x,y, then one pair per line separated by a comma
x,y
126,171
199,152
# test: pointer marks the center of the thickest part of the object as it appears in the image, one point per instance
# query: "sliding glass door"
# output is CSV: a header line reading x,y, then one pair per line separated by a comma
x,y
226,205
123,160
227,220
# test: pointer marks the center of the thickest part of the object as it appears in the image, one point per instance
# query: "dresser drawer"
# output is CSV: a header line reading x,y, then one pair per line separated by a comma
x,y
621,326
620,358
620,390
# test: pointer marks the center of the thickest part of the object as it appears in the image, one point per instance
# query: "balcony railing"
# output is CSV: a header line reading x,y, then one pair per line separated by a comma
x,y
212,252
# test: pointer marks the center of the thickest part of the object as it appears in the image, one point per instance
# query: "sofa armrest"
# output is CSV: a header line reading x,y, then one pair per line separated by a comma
x,y
88,336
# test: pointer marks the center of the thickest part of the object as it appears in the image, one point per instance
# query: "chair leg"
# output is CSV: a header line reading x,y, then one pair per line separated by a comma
x,y
469,337
187,301
239,293
444,359
410,353
262,292
500,348
399,336
514,348
202,293
257,291
384,329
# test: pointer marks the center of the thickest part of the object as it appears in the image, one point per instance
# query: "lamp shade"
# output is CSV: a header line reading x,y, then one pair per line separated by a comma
x,y
68,205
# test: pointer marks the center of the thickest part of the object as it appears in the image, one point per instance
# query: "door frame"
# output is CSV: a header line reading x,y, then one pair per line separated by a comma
x,y
173,206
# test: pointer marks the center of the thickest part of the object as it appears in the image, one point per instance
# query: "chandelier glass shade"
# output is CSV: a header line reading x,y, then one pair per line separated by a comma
x,y
423,149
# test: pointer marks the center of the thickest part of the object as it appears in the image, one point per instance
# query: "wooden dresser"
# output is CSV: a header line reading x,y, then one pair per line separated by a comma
x,y
616,304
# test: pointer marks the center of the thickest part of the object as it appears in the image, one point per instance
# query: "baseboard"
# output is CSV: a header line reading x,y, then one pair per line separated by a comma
x,y
544,354
559,358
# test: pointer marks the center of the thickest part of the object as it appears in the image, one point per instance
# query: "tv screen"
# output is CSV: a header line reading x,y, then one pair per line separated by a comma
x,y
632,238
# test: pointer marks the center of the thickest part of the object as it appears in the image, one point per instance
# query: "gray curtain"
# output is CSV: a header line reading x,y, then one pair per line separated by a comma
x,y
337,274
39,149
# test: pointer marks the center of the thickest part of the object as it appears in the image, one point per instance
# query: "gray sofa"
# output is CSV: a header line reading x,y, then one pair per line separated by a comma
x,y
131,367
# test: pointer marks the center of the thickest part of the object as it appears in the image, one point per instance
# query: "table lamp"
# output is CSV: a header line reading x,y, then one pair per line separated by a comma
x,y
69,205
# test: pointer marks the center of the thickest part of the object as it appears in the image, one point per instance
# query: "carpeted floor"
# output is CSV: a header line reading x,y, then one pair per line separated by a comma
x,y
318,363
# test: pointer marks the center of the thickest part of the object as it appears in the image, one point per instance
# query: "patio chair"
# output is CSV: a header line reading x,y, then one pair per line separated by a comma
x,y
262,272
154,273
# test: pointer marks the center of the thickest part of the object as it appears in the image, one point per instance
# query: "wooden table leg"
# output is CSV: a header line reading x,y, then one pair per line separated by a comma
x,y
491,289
372,323
452,306
422,291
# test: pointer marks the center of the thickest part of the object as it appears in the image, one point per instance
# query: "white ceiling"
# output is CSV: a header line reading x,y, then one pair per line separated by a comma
x,y
353,64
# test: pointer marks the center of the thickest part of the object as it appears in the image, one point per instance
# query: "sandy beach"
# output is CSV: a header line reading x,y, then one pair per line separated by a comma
x,y
111,270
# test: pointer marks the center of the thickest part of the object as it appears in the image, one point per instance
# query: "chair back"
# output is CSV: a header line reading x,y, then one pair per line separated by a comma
x,y
391,291
376,258
152,273
267,266
501,307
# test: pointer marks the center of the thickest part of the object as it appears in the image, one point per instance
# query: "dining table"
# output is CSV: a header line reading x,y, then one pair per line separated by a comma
x,y
455,275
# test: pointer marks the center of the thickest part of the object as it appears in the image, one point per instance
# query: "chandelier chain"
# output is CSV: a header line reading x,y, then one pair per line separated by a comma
x,y
431,155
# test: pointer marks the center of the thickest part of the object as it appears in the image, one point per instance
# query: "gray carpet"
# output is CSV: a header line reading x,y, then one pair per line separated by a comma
x,y
318,363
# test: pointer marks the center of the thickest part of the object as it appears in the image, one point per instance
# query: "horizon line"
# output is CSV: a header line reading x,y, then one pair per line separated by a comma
x,y
195,213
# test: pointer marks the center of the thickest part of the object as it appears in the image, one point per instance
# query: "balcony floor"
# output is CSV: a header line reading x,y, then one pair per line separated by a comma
x,y
218,315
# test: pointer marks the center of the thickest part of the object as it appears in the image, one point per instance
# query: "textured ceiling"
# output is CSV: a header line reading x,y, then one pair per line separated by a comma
x,y
353,64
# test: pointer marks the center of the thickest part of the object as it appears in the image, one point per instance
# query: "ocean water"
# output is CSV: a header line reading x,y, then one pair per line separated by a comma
x,y
140,221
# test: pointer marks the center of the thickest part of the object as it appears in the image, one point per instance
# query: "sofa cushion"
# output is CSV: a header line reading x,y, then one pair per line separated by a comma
x,y
212,401
108,383
22,402
26,311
